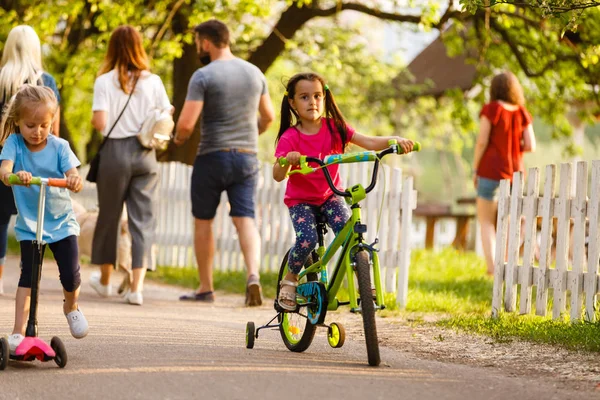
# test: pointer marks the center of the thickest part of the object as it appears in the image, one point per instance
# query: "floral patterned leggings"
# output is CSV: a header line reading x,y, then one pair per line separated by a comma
x,y
304,220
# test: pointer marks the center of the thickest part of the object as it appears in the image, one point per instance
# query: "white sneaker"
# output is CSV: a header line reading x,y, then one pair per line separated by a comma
x,y
77,324
14,341
1,287
135,298
102,290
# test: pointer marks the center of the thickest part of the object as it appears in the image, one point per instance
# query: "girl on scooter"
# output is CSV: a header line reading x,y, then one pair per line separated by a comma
x,y
30,150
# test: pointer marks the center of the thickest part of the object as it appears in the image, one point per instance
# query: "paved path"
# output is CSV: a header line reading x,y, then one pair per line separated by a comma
x,y
169,350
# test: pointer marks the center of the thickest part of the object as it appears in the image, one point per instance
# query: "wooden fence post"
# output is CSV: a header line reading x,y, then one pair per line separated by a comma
x,y
514,233
530,208
500,251
547,212
591,277
404,253
563,215
579,212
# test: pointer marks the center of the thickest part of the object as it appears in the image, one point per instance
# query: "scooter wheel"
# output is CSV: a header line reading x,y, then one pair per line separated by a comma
x,y
4,353
250,335
336,335
61,353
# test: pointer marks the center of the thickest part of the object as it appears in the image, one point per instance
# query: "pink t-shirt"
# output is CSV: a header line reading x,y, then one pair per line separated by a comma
x,y
311,188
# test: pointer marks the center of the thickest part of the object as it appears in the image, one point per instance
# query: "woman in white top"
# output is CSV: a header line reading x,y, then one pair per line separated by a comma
x,y
127,171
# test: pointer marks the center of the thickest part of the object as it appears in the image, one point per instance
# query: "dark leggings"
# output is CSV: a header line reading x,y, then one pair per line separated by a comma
x,y
305,226
3,242
66,254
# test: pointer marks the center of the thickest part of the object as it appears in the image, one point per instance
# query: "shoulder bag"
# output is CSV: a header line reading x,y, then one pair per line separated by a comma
x,y
92,175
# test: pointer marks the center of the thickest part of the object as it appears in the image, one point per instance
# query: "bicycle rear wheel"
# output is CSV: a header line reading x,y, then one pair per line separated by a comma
x,y
296,330
363,273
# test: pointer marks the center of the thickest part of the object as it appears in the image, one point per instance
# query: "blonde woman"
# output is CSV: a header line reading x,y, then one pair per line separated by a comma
x,y
124,93
21,64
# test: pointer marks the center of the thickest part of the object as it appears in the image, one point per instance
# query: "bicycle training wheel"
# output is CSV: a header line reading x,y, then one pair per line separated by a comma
x,y
296,330
363,273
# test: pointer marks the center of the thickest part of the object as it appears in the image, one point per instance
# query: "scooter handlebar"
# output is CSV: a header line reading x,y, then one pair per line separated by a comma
x,y
36,180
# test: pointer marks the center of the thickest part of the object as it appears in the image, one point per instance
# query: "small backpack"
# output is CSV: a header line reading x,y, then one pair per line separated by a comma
x,y
157,129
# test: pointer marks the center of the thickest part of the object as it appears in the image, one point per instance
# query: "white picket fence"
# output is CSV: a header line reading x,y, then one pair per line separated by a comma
x,y
574,217
174,236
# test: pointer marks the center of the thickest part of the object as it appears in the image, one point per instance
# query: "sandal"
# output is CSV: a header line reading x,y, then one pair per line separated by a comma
x,y
287,299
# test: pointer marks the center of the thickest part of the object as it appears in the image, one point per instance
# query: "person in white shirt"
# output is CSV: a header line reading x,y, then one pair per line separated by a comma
x,y
124,93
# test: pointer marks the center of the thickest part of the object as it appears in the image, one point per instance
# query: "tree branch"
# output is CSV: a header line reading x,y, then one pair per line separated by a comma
x,y
551,8
513,45
164,27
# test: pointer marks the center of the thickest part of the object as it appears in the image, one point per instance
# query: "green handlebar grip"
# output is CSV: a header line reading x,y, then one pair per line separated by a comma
x,y
282,162
14,180
416,146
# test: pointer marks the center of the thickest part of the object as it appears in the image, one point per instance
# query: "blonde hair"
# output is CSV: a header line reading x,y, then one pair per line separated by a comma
x,y
29,97
21,61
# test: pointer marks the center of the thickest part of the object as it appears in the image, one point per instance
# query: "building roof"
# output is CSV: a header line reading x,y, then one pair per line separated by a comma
x,y
440,72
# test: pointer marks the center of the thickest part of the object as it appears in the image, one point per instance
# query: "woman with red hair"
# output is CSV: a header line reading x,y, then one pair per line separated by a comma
x,y
124,93
505,133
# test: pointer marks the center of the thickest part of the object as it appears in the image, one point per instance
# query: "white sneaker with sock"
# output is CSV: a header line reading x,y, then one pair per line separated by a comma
x,y
135,298
14,341
102,290
77,324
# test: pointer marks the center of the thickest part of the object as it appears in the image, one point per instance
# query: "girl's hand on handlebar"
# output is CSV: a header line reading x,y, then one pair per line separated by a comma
x,y
405,144
24,177
74,183
293,157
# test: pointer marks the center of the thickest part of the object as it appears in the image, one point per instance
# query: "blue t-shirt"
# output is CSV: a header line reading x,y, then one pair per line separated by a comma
x,y
51,162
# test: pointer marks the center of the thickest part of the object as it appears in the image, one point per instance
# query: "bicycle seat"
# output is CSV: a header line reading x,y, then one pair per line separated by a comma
x,y
321,218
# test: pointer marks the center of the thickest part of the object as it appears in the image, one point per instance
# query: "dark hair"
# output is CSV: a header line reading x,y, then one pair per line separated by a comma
x,y
506,87
215,31
125,54
290,117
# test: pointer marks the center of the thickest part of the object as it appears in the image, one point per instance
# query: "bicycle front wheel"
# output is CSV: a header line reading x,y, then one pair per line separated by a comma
x,y
363,273
296,330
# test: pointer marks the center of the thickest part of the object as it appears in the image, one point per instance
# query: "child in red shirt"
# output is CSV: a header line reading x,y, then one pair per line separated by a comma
x,y
312,125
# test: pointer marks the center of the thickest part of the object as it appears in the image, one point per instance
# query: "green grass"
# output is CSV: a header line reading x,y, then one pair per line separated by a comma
x,y
448,287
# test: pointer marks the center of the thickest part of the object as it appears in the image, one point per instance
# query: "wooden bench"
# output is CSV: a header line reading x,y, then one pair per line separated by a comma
x,y
433,212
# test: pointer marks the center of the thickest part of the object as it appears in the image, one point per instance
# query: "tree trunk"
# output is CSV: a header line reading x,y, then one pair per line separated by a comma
x,y
289,23
183,68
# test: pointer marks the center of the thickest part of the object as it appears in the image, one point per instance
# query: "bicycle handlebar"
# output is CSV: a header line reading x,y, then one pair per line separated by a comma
x,y
346,158
36,180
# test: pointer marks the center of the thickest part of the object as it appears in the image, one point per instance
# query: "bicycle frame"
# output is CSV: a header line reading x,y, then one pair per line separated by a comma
x,y
350,238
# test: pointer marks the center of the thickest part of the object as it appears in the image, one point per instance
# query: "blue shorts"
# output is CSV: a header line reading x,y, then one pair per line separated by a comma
x,y
233,171
487,188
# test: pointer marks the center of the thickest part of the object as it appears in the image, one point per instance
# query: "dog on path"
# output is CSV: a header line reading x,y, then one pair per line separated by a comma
x,y
87,221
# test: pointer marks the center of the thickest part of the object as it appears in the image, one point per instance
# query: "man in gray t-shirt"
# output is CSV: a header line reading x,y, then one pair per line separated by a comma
x,y
228,93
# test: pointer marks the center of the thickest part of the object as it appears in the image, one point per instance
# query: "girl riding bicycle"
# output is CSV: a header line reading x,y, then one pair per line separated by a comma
x,y
312,125
30,149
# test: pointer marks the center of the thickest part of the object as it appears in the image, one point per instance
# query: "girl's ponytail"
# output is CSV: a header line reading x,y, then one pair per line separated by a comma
x,y
9,120
333,113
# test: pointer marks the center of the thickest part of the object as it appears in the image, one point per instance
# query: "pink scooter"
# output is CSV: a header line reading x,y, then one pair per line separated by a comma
x,y
33,347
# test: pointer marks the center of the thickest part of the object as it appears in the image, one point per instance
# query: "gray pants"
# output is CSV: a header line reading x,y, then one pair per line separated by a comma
x,y
128,174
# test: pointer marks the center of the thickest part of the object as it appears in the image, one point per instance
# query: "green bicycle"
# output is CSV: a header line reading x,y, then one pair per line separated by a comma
x,y
317,292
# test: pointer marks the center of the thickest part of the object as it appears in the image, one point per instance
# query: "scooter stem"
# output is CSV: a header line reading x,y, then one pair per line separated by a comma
x,y
36,268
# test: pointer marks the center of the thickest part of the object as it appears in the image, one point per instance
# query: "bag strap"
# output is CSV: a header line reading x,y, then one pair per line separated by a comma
x,y
120,115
